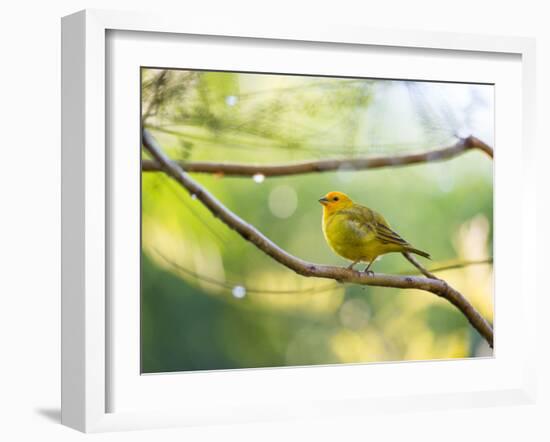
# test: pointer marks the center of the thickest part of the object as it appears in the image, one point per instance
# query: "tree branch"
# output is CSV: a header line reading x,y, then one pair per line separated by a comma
x,y
476,143
360,163
304,268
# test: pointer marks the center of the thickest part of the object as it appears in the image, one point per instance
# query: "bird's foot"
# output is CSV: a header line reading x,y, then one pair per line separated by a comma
x,y
368,271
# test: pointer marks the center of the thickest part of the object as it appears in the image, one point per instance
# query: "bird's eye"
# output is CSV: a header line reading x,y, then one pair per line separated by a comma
x,y
335,198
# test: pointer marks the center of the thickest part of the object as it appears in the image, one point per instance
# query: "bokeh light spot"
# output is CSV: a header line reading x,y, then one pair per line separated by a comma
x,y
231,100
239,292
283,201
354,314
258,178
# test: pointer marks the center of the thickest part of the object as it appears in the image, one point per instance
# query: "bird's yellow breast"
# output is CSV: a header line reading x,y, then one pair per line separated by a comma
x,y
348,238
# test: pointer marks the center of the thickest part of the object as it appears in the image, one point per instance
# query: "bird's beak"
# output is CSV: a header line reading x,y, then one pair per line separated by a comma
x,y
323,201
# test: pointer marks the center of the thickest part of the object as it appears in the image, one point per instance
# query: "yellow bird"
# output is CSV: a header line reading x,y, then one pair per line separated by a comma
x,y
358,233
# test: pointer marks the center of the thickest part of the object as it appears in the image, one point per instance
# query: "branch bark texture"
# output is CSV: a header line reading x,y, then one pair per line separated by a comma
x,y
253,235
359,163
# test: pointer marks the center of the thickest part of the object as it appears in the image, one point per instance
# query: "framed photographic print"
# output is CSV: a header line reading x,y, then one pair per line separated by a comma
x,y
262,224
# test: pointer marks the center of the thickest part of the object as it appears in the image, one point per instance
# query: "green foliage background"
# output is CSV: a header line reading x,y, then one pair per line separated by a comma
x,y
191,263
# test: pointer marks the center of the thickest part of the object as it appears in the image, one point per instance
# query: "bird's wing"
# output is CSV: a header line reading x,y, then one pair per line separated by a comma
x,y
384,232
366,220
357,221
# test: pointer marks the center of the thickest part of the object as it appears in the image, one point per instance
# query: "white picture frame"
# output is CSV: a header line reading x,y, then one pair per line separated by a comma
x,y
87,204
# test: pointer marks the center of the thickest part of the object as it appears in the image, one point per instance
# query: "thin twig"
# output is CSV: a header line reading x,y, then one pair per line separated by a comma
x,y
461,265
359,163
419,266
304,268
155,100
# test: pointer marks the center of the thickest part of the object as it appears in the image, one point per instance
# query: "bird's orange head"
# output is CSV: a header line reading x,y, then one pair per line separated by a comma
x,y
334,201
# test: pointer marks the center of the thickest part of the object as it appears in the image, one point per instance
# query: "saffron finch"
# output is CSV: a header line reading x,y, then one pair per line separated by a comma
x,y
358,233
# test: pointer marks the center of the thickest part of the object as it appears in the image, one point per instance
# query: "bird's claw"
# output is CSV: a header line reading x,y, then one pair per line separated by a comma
x,y
369,272
350,267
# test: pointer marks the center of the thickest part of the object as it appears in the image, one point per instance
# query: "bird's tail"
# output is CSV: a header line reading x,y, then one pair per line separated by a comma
x,y
419,252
